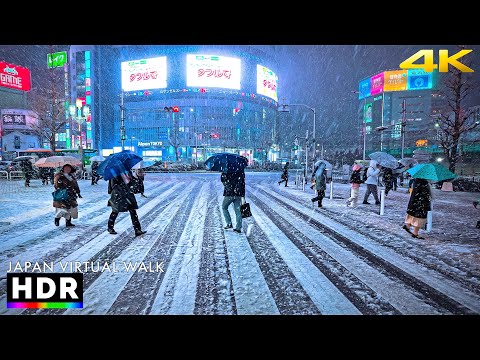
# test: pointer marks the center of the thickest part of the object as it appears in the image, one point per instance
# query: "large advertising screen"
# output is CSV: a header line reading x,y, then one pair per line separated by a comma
x,y
395,80
419,80
213,71
14,77
267,82
144,74
364,89
377,84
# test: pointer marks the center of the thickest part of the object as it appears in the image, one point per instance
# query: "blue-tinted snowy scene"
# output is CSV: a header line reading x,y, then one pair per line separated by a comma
x,y
240,180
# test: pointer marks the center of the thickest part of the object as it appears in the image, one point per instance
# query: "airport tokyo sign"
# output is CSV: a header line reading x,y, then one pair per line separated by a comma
x,y
150,144
57,59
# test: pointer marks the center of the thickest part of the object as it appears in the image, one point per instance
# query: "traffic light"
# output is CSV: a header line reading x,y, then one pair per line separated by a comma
x,y
214,136
295,147
171,109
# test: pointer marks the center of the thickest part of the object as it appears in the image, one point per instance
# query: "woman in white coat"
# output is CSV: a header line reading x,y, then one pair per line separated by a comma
x,y
372,182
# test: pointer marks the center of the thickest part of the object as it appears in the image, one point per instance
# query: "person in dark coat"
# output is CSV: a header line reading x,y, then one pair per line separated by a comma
x,y
95,176
320,177
387,180
27,168
475,204
68,209
44,174
233,192
284,176
140,187
419,205
122,199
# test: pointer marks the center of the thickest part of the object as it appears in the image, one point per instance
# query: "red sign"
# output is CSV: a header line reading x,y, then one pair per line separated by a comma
x,y
14,77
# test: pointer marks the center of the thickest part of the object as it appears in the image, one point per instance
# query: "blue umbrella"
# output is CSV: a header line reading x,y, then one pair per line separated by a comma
x,y
226,162
118,164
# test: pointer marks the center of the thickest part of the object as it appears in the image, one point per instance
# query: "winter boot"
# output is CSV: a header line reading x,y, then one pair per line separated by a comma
x,y
314,199
478,224
57,221
68,223
112,231
139,232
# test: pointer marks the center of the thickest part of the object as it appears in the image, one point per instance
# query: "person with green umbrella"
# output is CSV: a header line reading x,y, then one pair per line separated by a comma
x,y
419,205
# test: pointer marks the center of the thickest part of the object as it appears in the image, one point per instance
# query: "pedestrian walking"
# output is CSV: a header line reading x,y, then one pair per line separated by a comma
x,y
68,208
95,176
284,176
233,192
122,199
320,177
140,188
372,181
27,169
475,204
418,207
387,180
355,180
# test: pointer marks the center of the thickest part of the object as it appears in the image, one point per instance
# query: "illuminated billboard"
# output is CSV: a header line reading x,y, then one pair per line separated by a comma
x,y
14,77
376,86
367,113
364,89
395,80
213,71
144,74
267,82
419,80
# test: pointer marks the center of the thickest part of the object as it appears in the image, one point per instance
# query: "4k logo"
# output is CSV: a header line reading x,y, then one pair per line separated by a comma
x,y
443,61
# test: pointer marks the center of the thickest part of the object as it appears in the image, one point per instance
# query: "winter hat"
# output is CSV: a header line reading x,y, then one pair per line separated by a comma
x,y
356,167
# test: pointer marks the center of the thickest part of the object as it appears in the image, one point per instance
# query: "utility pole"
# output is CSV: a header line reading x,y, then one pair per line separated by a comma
x,y
404,122
122,122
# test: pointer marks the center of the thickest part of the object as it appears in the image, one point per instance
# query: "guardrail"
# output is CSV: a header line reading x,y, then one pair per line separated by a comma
x,y
16,175
4,175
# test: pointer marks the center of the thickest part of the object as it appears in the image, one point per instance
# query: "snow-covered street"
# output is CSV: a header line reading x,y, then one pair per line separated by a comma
x,y
299,259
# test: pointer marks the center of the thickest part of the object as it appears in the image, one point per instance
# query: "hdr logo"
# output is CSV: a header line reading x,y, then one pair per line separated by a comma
x,y
44,291
443,61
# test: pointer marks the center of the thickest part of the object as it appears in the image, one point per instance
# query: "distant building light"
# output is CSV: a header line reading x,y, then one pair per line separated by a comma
x,y
439,159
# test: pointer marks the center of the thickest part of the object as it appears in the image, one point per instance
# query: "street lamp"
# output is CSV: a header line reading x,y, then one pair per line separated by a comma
x,y
285,109
131,144
364,123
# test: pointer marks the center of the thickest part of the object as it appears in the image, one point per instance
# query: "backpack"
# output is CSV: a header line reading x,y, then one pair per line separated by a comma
x,y
356,177
364,175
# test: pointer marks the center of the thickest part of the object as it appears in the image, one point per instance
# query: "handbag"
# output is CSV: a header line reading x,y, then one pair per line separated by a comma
x,y
60,195
245,209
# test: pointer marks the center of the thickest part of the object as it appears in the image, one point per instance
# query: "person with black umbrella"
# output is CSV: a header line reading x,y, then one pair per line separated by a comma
x,y
122,199
233,192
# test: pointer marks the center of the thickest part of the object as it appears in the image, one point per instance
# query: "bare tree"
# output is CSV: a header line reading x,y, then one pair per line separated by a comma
x,y
48,103
455,120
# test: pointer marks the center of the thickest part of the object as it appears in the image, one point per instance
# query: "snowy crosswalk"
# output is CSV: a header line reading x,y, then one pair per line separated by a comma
x,y
298,259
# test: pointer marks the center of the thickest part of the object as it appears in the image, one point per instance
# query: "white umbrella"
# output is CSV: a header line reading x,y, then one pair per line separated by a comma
x,y
144,164
25,157
384,159
97,158
57,161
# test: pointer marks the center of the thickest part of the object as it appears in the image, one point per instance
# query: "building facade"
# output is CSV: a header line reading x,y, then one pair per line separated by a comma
x,y
176,102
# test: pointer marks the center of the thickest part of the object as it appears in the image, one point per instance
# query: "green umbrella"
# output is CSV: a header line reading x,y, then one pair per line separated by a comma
x,y
434,172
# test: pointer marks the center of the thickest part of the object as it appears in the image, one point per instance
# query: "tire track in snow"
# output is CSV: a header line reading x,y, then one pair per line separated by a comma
x,y
402,273
140,292
214,294
420,256
111,246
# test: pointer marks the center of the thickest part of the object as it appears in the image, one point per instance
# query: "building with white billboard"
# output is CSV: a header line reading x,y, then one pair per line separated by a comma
x,y
180,102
